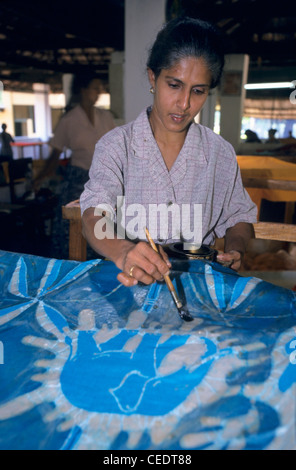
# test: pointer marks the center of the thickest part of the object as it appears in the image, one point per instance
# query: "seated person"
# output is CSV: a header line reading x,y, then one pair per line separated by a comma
x,y
164,157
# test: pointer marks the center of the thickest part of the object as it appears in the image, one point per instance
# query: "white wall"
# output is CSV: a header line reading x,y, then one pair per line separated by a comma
x,y
143,19
42,111
232,105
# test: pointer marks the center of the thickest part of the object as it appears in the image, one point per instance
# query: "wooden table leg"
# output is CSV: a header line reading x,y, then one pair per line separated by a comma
x,y
77,243
289,211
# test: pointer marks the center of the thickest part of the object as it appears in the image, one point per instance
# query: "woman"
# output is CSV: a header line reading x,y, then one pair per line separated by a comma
x,y
164,157
78,130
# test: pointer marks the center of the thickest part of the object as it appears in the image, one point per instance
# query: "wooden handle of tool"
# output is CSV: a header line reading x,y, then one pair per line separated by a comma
x,y
167,277
152,244
169,283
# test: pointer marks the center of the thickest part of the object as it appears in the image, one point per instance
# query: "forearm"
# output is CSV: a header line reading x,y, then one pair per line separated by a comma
x,y
235,245
110,246
238,237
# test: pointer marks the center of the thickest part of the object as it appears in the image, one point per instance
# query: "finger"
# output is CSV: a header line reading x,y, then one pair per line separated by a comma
x,y
126,280
146,263
138,275
237,255
237,260
226,261
235,266
229,255
142,275
231,259
165,256
153,263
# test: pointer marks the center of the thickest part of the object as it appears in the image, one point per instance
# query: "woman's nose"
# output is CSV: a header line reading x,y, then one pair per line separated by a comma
x,y
184,100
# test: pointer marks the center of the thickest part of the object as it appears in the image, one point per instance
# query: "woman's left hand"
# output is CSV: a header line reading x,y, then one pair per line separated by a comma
x,y
232,259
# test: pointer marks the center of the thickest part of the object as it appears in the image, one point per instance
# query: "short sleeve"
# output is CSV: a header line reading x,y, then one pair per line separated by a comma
x,y
60,139
105,184
238,206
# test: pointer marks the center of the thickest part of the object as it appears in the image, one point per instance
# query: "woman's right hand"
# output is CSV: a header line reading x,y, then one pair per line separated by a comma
x,y
140,263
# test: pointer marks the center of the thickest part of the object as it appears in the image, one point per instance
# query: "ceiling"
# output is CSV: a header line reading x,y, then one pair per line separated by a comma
x,y
40,41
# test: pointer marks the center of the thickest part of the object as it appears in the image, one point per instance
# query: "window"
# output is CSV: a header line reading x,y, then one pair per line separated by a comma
x,y
24,122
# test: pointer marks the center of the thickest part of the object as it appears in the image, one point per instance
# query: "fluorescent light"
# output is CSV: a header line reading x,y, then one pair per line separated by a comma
x,y
265,86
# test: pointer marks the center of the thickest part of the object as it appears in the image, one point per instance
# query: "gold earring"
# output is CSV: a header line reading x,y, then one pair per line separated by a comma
x,y
152,90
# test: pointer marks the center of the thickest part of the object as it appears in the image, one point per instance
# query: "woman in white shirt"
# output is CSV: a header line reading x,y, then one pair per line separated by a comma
x,y
78,130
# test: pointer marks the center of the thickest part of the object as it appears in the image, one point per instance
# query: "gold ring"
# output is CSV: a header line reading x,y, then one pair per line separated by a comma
x,y
131,271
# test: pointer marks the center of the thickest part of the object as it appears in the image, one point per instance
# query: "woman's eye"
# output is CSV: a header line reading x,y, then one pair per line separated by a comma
x,y
173,85
198,91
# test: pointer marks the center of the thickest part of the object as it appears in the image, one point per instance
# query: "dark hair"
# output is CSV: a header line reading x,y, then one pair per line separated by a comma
x,y
188,37
79,81
82,80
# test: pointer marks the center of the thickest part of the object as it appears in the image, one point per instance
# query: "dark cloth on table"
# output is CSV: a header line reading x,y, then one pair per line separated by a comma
x,y
74,179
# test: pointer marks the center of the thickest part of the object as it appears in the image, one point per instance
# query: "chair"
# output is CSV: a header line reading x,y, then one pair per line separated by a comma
x,y
19,171
272,184
27,217
77,243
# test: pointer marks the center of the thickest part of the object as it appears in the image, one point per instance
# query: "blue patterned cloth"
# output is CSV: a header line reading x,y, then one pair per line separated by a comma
x,y
86,363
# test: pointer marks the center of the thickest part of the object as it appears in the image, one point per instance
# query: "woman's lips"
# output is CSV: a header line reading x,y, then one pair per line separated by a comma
x,y
178,117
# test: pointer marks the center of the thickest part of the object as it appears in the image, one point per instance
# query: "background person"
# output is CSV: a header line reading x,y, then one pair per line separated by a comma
x,y
78,130
252,136
271,137
164,157
6,140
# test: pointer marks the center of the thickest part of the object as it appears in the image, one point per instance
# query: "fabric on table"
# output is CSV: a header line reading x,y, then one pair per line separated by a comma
x,y
90,364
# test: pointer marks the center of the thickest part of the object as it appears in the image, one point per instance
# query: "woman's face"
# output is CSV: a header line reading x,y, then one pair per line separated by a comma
x,y
92,92
180,93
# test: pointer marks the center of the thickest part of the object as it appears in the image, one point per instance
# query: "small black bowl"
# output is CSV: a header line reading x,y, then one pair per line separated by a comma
x,y
176,250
